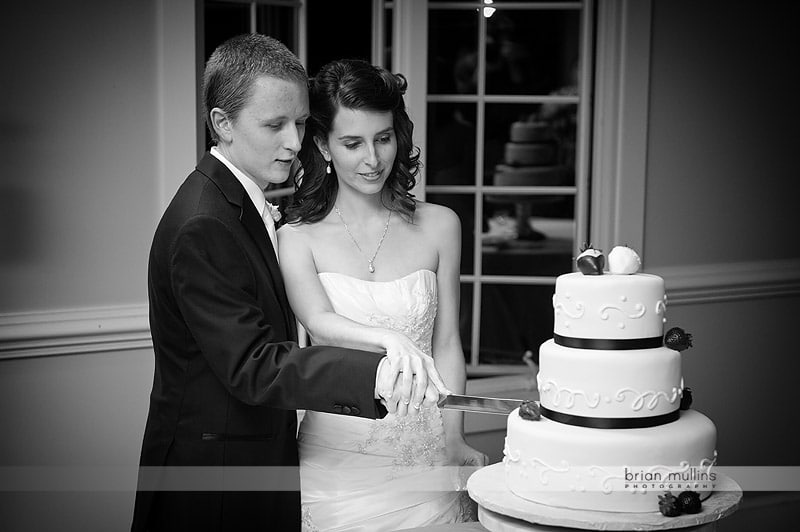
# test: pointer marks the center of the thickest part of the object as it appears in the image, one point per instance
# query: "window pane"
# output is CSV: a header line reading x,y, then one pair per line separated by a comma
x,y
452,62
451,144
387,44
278,22
514,319
328,40
527,235
530,145
464,207
223,20
465,320
532,52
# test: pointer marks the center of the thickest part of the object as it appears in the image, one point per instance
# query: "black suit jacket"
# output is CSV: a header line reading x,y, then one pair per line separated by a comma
x,y
228,370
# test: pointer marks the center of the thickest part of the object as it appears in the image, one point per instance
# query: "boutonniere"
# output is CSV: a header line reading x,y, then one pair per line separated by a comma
x,y
274,212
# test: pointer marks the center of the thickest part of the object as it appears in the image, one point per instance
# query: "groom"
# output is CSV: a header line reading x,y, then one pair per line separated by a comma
x,y
228,371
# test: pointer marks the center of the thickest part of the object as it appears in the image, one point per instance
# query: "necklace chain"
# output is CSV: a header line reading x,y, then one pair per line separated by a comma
x,y
370,262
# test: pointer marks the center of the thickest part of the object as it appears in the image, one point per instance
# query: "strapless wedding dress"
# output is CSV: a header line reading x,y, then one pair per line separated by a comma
x,y
372,475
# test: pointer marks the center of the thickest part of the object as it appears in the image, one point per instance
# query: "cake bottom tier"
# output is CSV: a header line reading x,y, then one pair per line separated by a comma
x,y
613,470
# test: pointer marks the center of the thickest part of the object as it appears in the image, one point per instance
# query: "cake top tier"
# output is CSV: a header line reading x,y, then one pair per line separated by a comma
x,y
596,304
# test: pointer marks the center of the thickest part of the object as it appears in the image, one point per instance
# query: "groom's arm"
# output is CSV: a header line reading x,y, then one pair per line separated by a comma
x,y
216,292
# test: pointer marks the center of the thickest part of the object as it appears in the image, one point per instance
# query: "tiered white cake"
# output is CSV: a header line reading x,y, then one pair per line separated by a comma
x,y
612,435
530,157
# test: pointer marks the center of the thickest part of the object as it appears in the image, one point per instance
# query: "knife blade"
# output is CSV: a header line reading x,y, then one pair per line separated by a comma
x,y
472,403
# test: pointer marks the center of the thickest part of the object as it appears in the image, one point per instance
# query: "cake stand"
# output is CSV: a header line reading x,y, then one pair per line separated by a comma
x,y
499,510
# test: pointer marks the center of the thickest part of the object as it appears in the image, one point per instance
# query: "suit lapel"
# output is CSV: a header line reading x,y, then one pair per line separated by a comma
x,y
255,226
252,222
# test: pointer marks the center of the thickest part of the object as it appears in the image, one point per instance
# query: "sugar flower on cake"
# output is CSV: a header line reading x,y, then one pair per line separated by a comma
x,y
623,260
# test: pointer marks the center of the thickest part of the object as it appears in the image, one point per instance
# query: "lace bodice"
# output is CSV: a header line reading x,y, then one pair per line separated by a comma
x,y
407,305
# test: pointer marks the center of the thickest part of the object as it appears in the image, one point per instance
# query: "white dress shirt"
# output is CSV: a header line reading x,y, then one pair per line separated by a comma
x,y
256,195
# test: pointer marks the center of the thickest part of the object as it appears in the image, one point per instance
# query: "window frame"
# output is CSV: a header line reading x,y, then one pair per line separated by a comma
x,y
410,45
611,166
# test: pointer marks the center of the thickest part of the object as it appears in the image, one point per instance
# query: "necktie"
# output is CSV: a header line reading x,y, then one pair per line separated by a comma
x,y
270,216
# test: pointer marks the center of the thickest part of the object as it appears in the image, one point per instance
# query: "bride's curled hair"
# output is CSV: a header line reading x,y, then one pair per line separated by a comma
x,y
357,85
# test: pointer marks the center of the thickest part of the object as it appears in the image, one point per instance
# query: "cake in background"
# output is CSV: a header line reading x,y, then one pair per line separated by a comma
x,y
530,157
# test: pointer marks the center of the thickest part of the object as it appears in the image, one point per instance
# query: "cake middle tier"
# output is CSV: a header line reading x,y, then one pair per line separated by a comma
x,y
596,383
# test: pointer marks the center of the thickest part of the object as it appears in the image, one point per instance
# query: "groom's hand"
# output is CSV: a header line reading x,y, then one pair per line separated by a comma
x,y
408,378
393,390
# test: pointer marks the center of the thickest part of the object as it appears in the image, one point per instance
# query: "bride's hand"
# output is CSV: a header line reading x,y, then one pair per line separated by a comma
x,y
413,377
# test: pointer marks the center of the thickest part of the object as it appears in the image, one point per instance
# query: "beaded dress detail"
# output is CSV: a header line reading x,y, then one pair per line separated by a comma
x,y
361,474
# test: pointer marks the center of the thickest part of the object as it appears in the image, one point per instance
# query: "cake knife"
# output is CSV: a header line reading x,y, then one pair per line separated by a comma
x,y
472,403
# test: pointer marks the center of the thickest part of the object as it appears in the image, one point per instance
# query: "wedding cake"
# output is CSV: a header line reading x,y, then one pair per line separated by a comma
x,y
613,430
530,157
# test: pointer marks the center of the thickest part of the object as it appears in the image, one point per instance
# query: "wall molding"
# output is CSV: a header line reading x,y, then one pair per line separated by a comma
x,y
124,328
714,283
74,332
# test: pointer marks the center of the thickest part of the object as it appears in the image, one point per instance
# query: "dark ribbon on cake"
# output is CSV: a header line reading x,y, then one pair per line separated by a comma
x,y
608,343
610,422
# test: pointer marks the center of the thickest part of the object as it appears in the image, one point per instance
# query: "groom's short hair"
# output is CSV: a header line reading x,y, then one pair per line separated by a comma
x,y
237,63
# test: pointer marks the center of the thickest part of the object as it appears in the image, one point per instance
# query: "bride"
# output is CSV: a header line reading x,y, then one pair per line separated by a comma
x,y
367,266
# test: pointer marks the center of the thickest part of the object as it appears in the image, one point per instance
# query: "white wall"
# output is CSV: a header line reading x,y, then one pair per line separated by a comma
x,y
78,130
76,423
721,178
722,136
97,128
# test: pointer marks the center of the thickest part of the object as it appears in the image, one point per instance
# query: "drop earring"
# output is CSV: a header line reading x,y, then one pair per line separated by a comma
x,y
328,168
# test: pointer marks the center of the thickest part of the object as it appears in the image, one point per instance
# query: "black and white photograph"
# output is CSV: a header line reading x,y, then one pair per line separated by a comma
x,y
399,265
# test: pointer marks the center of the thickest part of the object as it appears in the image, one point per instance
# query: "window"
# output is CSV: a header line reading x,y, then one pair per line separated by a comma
x,y
506,129
224,19
504,126
309,28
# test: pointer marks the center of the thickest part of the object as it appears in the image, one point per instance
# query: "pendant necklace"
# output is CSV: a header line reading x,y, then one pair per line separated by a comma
x,y
370,262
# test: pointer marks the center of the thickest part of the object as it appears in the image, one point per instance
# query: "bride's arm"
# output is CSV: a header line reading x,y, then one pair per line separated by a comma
x,y
447,350
313,309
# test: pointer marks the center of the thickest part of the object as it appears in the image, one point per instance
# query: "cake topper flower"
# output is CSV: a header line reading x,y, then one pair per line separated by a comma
x,y
591,261
623,260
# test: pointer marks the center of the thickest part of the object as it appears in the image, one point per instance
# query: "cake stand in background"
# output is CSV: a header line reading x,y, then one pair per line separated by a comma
x,y
499,510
